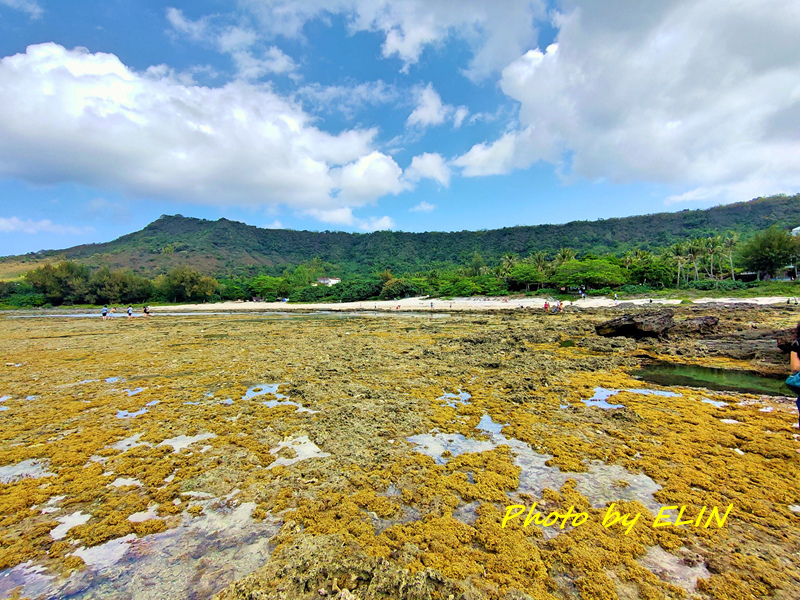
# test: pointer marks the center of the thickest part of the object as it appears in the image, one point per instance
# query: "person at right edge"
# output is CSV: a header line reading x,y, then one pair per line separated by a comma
x,y
794,365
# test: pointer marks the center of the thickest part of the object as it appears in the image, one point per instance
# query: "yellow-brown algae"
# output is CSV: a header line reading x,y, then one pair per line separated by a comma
x,y
391,507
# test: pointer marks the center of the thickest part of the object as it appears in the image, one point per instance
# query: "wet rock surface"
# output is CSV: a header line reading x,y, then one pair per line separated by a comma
x,y
362,511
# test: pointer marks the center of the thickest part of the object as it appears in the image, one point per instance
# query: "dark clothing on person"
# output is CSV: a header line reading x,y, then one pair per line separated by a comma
x,y
795,347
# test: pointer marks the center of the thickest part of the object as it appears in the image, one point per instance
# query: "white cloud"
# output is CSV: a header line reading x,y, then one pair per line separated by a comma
x,y
250,66
29,6
276,224
196,30
428,166
348,99
370,177
430,110
252,59
497,32
462,112
422,207
337,216
89,119
235,38
684,93
17,225
376,224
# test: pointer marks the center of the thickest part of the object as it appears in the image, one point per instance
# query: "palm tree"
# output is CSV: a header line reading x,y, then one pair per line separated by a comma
x,y
678,252
507,262
714,249
696,249
731,239
539,260
564,255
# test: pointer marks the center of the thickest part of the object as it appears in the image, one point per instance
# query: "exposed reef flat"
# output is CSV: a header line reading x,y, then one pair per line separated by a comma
x,y
351,457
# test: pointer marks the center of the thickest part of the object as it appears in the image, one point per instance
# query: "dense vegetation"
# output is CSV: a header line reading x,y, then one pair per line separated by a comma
x,y
226,248
703,263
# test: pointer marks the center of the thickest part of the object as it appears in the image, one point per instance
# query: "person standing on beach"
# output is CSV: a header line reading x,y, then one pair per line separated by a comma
x,y
130,311
104,312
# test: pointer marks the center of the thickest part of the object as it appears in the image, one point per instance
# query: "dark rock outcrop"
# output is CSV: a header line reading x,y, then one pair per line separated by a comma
x,y
695,325
785,338
646,324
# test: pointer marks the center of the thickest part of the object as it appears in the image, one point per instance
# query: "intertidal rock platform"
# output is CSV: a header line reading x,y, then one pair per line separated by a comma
x,y
381,456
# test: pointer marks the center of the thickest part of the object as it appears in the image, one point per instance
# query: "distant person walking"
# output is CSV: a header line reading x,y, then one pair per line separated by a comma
x,y
104,312
146,310
130,311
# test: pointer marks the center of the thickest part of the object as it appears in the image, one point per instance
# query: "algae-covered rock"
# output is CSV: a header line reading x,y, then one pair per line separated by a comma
x,y
318,566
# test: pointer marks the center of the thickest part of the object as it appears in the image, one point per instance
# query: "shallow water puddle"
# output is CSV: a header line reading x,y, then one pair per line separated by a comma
x,y
303,449
124,414
271,389
128,443
105,555
601,484
33,468
603,394
451,400
67,523
145,515
196,560
3,399
125,481
264,389
135,391
672,569
49,506
180,442
715,403
27,575
300,407
600,397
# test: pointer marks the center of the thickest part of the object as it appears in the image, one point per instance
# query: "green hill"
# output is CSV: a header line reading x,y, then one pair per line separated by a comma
x,y
225,247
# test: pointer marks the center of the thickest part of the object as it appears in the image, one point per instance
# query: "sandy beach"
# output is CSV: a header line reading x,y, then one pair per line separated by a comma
x,y
457,304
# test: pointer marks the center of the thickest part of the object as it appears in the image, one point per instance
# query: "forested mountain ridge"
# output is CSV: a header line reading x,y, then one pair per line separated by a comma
x,y
225,247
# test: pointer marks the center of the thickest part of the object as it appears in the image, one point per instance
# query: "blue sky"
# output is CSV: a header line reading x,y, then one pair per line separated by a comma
x,y
412,115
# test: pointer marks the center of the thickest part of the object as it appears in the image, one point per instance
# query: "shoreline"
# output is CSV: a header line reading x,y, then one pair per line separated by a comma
x,y
416,304
467,304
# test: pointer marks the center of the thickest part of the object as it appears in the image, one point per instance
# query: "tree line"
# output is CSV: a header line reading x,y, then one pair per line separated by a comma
x,y
701,263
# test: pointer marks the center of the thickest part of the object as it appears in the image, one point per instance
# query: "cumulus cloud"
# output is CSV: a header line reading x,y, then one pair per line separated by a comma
x,y
497,32
370,177
701,95
345,216
422,207
376,223
29,6
17,225
89,119
336,216
428,166
430,110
